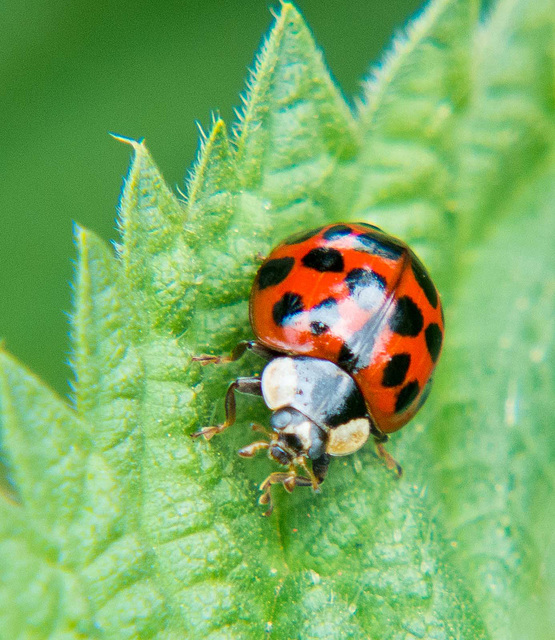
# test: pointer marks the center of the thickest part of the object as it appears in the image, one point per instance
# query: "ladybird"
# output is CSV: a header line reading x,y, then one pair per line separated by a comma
x,y
351,325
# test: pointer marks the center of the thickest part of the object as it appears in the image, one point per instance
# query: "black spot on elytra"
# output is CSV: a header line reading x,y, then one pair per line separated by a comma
x,y
337,231
434,338
297,238
360,278
367,287
274,271
288,306
407,394
425,394
407,318
346,359
323,315
317,328
328,304
324,259
424,280
370,226
396,370
381,247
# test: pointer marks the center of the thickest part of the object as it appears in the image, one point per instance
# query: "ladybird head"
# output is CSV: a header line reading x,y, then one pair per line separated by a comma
x,y
295,435
317,407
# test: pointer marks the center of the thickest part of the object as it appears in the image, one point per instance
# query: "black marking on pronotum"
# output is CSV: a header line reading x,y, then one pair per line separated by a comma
x,y
346,359
424,280
288,306
407,394
381,247
337,231
274,271
434,338
302,236
407,318
353,407
324,259
396,370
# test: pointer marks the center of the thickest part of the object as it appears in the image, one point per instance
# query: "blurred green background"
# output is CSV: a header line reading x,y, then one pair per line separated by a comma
x,y
70,71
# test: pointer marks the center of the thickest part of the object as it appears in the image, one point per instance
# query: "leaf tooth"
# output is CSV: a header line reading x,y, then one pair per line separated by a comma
x,y
293,111
213,174
159,267
149,213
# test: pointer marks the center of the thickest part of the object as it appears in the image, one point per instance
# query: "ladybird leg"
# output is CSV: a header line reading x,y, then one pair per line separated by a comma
x,y
252,449
380,438
238,351
379,435
243,385
389,460
301,461
289,480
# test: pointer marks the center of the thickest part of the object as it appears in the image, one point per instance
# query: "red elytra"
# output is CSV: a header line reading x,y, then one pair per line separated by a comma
x,y
351,294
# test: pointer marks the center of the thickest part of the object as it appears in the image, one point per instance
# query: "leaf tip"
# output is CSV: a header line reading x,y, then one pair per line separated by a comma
x,y
288,10
288,19
83,238
136,144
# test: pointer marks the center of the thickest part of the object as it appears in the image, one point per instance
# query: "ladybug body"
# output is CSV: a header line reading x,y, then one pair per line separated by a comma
x,y
352,326
361,299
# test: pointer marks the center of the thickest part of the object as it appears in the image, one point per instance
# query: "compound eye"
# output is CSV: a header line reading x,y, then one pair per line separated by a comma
x,y
281,419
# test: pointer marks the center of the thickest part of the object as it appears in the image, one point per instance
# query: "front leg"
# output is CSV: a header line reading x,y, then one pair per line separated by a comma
x,y
240,349
289,480
243,385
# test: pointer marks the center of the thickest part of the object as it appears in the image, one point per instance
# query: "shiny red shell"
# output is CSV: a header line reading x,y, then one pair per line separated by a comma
x,y
351,294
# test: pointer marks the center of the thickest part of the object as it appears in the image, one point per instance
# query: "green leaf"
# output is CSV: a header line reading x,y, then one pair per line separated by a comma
x,y
117,525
